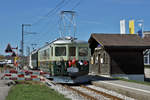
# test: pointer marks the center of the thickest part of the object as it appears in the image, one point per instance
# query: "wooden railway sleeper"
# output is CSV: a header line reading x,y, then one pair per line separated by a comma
x,y
81,93
102,93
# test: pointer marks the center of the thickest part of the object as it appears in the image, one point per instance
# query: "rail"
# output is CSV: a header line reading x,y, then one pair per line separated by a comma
x,y
102,93
81,93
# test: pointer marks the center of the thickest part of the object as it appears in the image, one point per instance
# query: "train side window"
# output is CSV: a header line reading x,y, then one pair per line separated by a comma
x,y
72,51
44,54
47,53
60,51
40,56
83,51
51,51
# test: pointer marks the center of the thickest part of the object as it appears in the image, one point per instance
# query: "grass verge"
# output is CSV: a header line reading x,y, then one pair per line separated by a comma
x,y
139,82
147,66
33,91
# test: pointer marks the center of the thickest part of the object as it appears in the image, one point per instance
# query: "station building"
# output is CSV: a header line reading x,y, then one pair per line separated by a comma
x,y
118,55
147,52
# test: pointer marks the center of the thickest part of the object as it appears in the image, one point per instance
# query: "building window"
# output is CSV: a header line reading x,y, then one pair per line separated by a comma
x,y
93,59
145,59
96,59
148,57
60,51
105,58
72,51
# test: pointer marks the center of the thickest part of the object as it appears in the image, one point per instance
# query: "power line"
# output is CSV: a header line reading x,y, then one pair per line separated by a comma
x,y
59,4
53,11
76,5
57,8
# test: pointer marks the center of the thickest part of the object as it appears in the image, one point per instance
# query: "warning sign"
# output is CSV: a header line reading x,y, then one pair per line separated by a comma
x,y
8,49
13,54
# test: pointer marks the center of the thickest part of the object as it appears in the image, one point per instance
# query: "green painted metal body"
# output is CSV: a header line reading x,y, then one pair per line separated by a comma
x,y
50,61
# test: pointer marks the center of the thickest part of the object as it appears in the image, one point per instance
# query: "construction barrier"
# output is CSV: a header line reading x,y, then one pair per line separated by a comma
x,y
25,75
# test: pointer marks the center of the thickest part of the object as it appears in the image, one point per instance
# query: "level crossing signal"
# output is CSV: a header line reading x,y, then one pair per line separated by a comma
x,y
13,54
8,49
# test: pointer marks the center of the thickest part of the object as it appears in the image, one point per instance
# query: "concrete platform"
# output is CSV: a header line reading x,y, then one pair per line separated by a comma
x,y
147,72
4,89
134,90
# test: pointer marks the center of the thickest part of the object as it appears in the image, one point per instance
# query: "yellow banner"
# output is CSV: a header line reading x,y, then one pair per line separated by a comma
x,y
131,26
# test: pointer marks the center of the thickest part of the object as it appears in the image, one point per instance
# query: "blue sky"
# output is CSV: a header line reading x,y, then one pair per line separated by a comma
x,y
93,16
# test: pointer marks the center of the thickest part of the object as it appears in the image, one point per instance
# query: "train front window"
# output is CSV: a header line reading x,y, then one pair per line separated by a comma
x,y
83,51
60,51
72,51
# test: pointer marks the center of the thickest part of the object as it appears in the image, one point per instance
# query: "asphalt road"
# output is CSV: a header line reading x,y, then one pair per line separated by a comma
x,y
4,88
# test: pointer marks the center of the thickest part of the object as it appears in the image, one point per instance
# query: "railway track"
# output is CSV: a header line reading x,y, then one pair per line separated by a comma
x,y
85,92
92,94
81,93
102,93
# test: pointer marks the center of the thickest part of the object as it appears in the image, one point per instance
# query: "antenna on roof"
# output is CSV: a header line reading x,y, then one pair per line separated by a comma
x,y
67,24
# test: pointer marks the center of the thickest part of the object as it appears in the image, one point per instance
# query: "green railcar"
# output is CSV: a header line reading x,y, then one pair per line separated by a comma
x,y
65,59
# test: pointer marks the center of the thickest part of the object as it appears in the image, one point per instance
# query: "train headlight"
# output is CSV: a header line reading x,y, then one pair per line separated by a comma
x,y
81,63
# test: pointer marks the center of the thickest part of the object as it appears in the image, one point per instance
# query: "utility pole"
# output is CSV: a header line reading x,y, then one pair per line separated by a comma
x,y
22,43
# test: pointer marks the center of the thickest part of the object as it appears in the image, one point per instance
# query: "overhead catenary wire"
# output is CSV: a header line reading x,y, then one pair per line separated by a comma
x,y
52,13
52,10
77,4
58,8
46,33
65,3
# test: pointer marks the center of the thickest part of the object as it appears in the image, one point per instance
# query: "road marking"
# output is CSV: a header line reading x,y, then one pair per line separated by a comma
x,y
126,87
